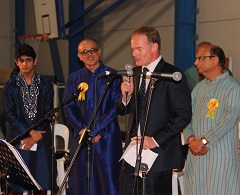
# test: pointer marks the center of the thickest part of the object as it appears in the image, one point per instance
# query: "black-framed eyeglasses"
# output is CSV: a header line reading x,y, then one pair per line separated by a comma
x,y
92,51
200,58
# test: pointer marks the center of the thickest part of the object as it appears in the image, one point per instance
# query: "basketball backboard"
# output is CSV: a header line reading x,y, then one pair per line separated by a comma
x,y
46,17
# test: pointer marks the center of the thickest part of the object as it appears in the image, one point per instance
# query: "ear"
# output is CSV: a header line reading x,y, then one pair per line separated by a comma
x,y
35,61
215,60
154,47
16,62
99,51
79,56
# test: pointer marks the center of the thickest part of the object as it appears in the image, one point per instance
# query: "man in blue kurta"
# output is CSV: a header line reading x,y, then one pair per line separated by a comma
x,y
106,147
27,98
213,167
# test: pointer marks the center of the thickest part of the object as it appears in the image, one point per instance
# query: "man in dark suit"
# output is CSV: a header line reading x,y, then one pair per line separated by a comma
x,y
169,112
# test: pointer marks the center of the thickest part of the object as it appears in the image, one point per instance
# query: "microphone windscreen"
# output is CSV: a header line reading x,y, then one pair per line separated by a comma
x,y
177,76
128,67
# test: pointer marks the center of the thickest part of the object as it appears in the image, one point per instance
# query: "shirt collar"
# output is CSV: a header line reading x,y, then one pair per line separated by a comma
x,y
151,67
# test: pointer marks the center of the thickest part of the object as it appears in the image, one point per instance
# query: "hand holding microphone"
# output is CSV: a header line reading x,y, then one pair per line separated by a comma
x,y
127,84
127,88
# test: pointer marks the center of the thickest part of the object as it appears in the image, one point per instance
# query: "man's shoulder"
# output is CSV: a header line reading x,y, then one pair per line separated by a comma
x,y
232,81
105,67
46,78
170,68
76,73
10,81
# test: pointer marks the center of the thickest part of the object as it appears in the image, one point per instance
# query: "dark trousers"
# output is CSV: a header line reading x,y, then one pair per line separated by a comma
x,y
157,183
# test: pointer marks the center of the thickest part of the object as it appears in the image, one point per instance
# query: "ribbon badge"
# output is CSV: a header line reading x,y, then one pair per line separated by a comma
x,y
212,106
83,87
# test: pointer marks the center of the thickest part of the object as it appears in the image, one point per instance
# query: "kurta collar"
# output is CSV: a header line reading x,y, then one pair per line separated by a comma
x,y
97,71
218,78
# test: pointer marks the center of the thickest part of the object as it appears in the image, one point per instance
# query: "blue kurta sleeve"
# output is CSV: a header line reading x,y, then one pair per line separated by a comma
x,y
72,110
11,96
107,115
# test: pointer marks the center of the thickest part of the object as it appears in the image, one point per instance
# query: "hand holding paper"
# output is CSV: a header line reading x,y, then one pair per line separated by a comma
x,y
130,156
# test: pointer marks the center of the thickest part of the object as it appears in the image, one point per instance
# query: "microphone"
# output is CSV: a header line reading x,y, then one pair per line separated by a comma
x,y
176,76
129,67
119,72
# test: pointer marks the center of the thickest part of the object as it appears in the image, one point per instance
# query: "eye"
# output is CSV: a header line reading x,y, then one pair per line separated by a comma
x,y
28,59
20,60
93,50
84,52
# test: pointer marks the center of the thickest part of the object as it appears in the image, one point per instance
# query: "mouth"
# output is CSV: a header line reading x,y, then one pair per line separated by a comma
x,y
90,58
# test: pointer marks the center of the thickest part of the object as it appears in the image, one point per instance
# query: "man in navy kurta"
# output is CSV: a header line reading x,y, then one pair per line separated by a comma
x,y
106,147
27,98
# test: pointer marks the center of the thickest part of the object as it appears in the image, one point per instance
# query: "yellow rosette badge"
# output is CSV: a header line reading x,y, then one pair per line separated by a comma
x,y
212,106
83,87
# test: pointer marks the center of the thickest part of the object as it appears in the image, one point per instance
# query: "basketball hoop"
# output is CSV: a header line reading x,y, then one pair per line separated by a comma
x,y
34,40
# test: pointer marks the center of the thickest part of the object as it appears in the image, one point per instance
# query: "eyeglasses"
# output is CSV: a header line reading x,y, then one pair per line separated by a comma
x,y
27,60
200,58
92,51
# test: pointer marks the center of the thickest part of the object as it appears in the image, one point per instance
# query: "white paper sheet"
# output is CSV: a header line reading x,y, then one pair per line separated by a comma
x,y
130,156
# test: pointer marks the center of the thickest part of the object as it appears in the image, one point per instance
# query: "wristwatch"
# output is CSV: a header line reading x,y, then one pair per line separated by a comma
x,y
204,141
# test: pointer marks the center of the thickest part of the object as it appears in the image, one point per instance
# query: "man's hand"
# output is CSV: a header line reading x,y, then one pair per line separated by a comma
x,y
27,143
36,135
127,87
197,147
147,144
94,140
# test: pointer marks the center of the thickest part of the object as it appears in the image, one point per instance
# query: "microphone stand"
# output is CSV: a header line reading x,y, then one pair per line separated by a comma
x,y
46,117
85,137
127,136
49,116
138,163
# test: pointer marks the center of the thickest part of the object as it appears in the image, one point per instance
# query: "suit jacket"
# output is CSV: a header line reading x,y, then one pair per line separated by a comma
x,y
169,113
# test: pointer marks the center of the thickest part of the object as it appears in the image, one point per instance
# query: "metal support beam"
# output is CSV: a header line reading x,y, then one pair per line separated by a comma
x,y
185,33
95,19
56,61
60,19
84,12
75,7
19,19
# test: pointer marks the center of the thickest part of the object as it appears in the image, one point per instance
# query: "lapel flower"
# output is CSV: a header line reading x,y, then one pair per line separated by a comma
x,y
83,87
213,104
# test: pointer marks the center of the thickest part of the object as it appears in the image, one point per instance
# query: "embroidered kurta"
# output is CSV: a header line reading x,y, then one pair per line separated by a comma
x,y
24,106
105,154
217,172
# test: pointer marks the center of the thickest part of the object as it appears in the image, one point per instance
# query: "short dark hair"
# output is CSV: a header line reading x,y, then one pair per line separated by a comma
x,y
25,50
151,33
217,51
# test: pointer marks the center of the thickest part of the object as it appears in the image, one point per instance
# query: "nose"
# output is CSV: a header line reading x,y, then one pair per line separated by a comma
x,y
24,62
133,53
196,61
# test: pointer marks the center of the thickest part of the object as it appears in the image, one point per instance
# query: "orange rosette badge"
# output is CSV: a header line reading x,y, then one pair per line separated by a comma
x,y
83,87
213,104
